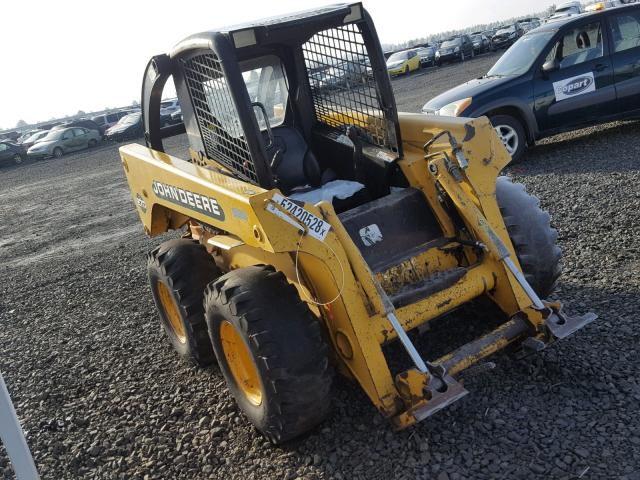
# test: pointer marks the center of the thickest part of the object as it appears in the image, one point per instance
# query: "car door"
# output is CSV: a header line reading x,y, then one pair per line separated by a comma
x,y
625,57
414,60
81,138
5,153
68,141
578,87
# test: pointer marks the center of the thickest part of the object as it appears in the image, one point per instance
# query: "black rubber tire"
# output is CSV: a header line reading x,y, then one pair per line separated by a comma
x,y
519,129
186,268
286,346
58,152
407,71
17,159
534,241
92,143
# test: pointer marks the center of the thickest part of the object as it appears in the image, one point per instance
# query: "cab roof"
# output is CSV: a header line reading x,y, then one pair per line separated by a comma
x,y
284,28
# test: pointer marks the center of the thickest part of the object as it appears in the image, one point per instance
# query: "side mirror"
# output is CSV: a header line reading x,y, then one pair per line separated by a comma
x,y
551,66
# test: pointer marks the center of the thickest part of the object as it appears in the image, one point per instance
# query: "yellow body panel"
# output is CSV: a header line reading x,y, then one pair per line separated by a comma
x,y
243,232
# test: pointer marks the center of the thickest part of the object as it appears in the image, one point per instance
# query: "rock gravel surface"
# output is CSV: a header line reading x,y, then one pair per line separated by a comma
x,y
101,394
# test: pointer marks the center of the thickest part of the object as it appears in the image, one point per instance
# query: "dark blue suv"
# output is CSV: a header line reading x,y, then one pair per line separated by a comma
x,y
562,76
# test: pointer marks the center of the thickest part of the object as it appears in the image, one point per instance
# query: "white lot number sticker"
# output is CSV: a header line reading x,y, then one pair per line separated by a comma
x,y
316,227
574,86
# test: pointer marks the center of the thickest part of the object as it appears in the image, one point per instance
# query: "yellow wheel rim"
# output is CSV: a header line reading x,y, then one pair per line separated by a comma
x,y
240,363
171,312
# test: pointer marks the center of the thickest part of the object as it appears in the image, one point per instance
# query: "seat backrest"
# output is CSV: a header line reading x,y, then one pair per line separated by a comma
x,y
298,166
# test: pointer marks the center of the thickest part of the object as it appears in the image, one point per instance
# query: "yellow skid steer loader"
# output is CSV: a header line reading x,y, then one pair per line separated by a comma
x,y
319,224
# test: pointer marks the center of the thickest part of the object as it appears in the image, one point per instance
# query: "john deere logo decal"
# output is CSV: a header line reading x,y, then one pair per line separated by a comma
x,y
572,87
191,200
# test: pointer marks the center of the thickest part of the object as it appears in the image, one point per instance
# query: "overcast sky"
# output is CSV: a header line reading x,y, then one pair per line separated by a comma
x,y
61,56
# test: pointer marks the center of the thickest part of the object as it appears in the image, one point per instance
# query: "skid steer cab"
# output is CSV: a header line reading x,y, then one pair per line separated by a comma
x,y
319,224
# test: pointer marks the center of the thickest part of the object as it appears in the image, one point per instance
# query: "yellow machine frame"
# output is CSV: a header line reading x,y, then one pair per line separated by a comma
x,y
332,275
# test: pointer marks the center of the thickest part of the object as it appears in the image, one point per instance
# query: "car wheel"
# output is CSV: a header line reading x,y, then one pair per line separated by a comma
x,y
462,56
511,133
17,159
92,143
473,53
57,152
406,70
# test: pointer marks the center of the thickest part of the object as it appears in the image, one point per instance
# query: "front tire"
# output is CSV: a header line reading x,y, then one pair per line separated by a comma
x,y
92,143
534,241
512,134
179,271
271,351
57,152
17,159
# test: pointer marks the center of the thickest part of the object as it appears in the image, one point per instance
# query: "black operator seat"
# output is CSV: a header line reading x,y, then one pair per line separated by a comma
x,y
295,165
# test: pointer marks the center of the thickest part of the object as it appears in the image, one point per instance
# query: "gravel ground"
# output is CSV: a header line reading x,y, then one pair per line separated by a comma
x,y
101,394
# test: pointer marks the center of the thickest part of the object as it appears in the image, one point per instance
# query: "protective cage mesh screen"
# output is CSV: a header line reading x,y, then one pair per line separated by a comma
x,y
217,116
343,88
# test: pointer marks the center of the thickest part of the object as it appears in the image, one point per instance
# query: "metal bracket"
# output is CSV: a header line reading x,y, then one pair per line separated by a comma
x,y
561,326
442,392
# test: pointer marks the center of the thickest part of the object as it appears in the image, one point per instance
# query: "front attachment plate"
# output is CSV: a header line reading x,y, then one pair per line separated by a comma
x,y
561,325
449,390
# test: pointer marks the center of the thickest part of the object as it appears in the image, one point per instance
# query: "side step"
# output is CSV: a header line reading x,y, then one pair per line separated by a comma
x,y
427,287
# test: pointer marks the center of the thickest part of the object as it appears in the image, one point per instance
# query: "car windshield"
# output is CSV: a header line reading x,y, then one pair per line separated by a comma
x,y
519,58
53,135
450,43
476,38
166,104
36,136
129,119
396,57
502,31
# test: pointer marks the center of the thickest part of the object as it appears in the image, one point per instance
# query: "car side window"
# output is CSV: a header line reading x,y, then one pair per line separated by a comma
x,y
579,45
67,135
625,30
78,132
3,147
112,117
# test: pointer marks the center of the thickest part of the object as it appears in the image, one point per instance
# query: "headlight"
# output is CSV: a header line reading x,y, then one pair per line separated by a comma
x,y
454,108
438,53
457,49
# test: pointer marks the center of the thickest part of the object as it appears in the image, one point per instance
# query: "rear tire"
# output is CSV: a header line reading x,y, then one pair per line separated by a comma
x,y
92,143
179,270
271,351
17,159
57,152
534,241
512,135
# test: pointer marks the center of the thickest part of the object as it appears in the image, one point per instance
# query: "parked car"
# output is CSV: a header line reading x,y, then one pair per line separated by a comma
x,y
176,117
403,62
33,139
564,75
167,107
11,153
83,122
481,44
529,24
27,134
507,36
129,126
455,49
108,120
567,9
427,56
64,140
